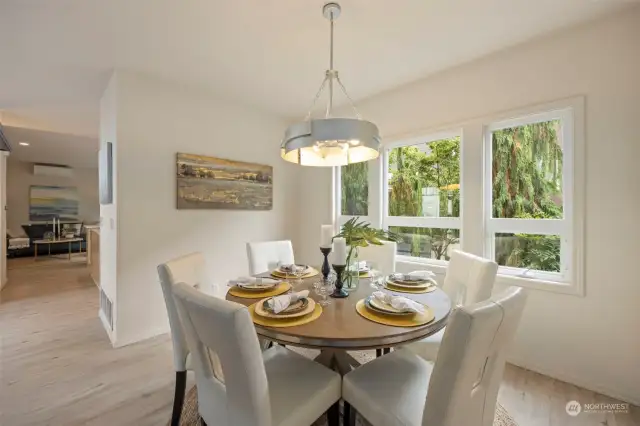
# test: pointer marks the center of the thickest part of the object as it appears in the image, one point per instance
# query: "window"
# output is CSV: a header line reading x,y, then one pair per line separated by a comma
x,y
505,187
527,188
355,189
421,202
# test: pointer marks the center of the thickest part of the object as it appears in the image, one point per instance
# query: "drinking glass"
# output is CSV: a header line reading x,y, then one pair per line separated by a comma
x,y
375,276
323,289
298,272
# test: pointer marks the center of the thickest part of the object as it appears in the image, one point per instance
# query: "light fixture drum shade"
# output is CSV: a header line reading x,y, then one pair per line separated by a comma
x,y
331,142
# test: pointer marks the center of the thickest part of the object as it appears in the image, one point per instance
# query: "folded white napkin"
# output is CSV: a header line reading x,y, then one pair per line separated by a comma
x,y
280,303
415,275
400,303
359,266
293,268
258,282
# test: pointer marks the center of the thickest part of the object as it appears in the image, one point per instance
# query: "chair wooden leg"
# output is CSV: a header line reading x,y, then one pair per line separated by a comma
x,y
178,399
378,353
333,415
349,417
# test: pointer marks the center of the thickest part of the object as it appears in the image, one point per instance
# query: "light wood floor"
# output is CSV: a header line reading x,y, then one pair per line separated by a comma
x,y
57,366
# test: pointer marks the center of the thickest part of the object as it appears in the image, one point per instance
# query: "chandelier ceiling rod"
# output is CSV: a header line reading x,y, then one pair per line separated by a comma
x,y
330,71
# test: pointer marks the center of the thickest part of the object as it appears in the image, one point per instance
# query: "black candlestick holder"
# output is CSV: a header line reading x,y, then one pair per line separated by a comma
x,y
325,264
339,292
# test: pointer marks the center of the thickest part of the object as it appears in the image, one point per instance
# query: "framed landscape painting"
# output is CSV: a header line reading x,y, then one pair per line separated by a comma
x,y
47,202
216,183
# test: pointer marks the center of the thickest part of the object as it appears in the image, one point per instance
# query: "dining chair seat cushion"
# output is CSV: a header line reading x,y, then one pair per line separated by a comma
x,y
300,389
390,390
427,348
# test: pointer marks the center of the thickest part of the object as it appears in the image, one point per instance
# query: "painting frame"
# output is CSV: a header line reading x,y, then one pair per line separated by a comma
x,y
47,202
206,182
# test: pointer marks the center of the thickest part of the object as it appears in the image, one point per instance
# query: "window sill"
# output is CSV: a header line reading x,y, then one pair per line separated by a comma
x,y
540,284
406,264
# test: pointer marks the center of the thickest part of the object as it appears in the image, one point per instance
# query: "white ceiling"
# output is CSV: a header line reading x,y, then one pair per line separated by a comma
x,y
57,55
54,148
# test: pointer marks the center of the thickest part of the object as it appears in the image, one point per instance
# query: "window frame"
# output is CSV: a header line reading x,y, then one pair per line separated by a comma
x,y
473,200
561,227
420,222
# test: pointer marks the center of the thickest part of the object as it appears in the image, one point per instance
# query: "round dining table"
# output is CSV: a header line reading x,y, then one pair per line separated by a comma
x,y
340,328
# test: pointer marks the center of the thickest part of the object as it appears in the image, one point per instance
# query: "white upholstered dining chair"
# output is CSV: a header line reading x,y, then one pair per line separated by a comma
x,y
382,256
188,269
277,387
469,279
460,389
264,255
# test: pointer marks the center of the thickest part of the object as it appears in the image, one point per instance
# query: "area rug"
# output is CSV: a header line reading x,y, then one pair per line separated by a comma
x,y
190,415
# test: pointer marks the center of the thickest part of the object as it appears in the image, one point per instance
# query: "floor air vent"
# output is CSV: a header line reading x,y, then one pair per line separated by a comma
x,y
106,307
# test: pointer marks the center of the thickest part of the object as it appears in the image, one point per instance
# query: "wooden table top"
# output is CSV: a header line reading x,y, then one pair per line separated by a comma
x,y
341,327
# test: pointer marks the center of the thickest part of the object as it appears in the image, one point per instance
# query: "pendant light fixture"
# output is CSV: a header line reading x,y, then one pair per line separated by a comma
x,y
331,141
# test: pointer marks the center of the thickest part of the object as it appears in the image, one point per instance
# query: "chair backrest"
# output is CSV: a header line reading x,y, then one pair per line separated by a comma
x,y
384,256
262,255
469,278
225,327
187,269
464,383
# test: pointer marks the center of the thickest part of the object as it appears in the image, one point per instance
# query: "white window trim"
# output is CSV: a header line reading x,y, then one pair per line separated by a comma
x,y
561,227
471,174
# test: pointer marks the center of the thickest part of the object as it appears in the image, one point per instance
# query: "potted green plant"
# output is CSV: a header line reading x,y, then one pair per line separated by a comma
x,y
359,233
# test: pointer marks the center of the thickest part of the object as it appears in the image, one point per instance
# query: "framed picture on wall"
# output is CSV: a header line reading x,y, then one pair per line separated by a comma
x,y
216,183
48,202
105,173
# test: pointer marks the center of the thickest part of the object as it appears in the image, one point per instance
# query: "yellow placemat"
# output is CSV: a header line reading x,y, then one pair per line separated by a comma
x,y
312,273
397,321
284,322
280,288
409,290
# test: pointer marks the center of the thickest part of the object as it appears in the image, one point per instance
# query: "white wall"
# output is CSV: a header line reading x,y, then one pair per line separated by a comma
x,y
109,212
20,178
3,217
154,120
592,341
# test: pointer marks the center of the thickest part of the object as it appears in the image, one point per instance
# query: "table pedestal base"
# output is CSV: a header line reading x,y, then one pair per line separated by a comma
x,y
337,360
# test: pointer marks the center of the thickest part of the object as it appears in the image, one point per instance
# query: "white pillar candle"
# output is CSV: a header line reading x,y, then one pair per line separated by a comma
x,y
340,251
326,234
